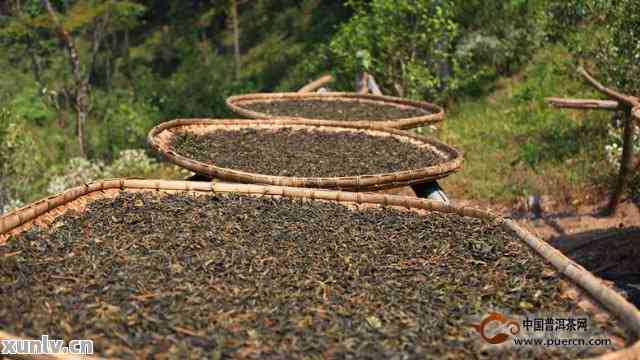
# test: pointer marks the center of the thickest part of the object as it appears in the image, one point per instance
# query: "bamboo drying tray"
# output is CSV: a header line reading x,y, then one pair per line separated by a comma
x,y
45,211
160,139
433,113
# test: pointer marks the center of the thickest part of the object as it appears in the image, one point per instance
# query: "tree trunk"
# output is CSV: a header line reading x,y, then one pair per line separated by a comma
x,y
625,163
82,110
36,63
112,61
236,36
67,108
80,82
127,65
399,90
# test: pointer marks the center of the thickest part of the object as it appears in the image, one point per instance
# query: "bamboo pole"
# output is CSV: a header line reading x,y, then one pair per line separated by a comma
x,y
314,85
424,189
594,104
612,301
630,100
606,296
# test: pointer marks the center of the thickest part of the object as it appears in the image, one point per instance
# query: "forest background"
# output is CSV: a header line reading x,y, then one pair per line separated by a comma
x,y
83,81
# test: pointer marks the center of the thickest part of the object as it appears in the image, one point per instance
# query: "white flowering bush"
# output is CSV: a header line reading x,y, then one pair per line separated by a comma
x,y
129,163
10,204
134,162
482,47
614,148
78,171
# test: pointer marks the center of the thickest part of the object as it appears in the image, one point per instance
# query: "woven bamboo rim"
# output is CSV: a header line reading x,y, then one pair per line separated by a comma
x,y
160,137
46,210
434,112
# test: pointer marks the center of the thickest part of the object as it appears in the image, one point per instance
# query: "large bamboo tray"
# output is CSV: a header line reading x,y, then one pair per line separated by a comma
x,y
433,113
160,139
45,211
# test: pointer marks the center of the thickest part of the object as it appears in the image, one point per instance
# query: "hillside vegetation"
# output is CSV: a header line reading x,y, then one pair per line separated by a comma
x,y
141,62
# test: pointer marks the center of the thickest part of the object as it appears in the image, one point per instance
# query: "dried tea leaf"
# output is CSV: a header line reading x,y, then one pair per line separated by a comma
x,y
374,322
271,278
341,110
302,152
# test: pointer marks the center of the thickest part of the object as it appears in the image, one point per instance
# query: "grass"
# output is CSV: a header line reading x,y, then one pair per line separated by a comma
x,y
515,145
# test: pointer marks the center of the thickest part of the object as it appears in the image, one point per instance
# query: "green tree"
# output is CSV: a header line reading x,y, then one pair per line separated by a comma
x,y
499,36
81,26
409,46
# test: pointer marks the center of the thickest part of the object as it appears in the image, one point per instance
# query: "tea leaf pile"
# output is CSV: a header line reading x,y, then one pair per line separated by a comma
x,y
183,276
304,153
340,110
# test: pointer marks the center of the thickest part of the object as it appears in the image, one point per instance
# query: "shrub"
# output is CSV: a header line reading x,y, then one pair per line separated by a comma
x,y
404,44
194,89
125,123
500,34
618,57
76,172
21,164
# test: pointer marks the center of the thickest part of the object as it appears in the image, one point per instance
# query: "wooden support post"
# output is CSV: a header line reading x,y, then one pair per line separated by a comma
x,y
631,108
625,164
198,177
430,190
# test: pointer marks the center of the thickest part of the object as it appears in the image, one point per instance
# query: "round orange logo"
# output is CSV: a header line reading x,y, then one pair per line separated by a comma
x,y
499,338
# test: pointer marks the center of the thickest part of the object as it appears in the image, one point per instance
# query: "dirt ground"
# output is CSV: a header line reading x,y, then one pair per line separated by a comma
x,y
609,247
